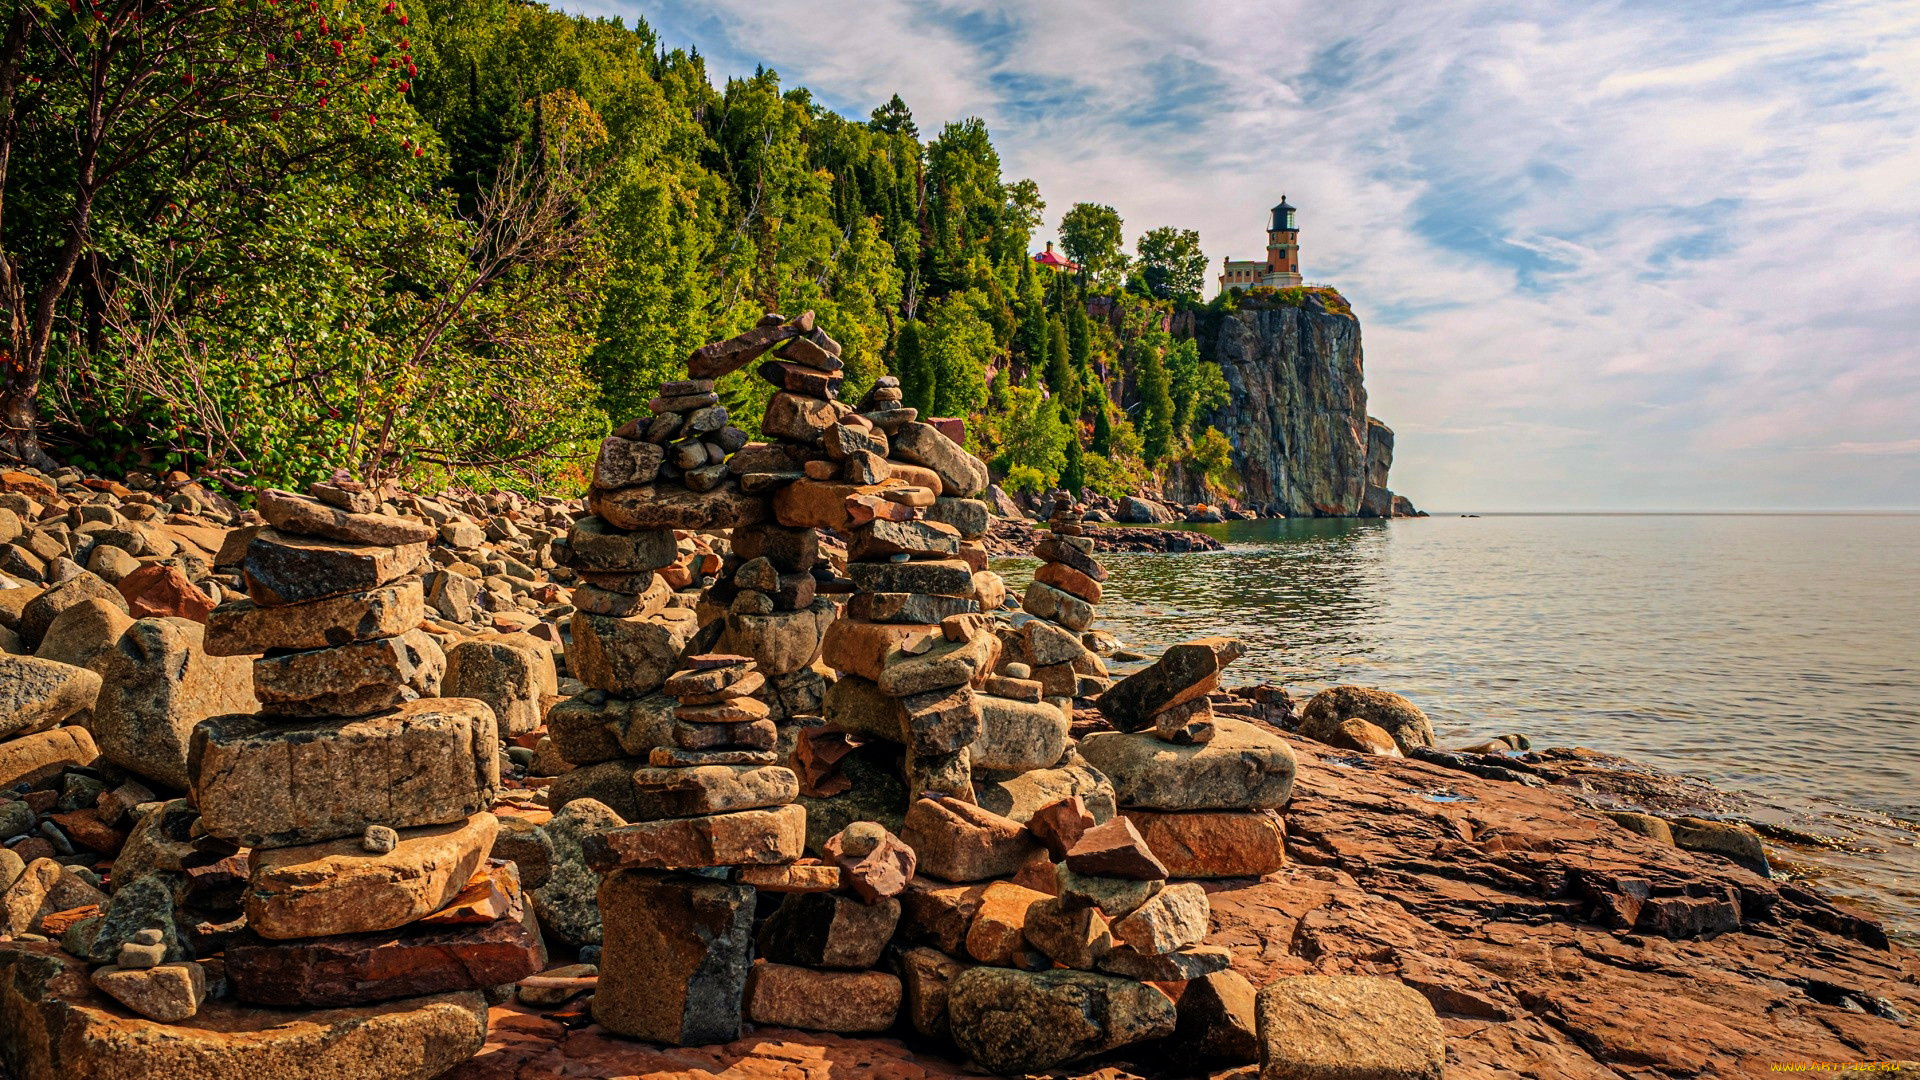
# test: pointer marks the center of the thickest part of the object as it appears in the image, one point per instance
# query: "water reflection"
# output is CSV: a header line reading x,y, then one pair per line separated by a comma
x,y
1779,656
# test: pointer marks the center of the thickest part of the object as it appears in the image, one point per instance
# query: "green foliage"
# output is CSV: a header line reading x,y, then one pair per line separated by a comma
x,y
1027,432
1171,264
1073,475
1121,470
1090,235
1212,458
1156,406
1197,387
1026,478
547,213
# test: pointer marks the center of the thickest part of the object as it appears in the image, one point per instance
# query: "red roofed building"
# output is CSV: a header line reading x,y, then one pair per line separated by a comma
x,y
1053,260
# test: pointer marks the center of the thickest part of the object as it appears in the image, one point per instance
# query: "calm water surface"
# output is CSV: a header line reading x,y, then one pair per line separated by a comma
x,y
1778,656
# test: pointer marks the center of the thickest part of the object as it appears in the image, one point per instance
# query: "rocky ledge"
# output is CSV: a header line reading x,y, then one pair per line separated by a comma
x,y
1012,537
1551,942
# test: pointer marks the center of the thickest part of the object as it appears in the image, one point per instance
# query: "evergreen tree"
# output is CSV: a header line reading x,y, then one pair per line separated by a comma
x,y
1073,475
1102,443
1156,407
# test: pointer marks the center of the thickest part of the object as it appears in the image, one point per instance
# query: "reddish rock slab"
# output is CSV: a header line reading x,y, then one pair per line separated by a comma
x,y
1512,909
359,969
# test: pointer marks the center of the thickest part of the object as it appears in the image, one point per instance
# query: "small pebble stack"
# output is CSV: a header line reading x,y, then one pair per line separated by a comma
x,y
1061,599
688,432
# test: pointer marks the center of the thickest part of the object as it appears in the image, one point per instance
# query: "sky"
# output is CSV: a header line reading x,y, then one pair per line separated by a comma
x,y
1648,256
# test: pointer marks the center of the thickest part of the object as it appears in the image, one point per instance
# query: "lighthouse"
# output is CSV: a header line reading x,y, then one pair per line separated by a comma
x,y
1281,268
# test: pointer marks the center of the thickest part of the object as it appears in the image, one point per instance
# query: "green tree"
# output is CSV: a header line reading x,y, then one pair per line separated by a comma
x,y
1090,233
1212,460
1171,264
1197,387
1156,407
1028,433
1073,475
122,121
1102,442
894,118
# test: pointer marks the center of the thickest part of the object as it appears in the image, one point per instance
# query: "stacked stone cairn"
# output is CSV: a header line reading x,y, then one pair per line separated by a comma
x,y
677,923
1203,789
363,799
1050,647
818,949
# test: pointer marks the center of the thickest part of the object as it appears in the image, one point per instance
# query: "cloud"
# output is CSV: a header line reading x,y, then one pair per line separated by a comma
x,y
1614,254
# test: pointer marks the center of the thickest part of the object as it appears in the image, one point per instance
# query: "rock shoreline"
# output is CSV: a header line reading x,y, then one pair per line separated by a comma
x,y
1011,537
881,819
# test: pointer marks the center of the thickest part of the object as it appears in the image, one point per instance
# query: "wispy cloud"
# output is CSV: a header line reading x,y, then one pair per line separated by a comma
x,y
1629,254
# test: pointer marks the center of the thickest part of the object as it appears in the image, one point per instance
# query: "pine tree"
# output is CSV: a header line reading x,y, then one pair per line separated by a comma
x,y
1073,476
1102,443
1156,407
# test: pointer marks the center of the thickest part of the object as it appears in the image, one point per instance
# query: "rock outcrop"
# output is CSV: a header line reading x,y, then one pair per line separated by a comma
x,y
1297,413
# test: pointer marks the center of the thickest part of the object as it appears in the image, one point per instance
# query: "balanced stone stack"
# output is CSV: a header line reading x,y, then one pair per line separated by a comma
x,y
1061,598
685,438
363,798
677,927
818,948
1202,789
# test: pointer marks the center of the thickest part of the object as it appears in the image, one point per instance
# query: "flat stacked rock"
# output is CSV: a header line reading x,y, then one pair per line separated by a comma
x,y
677,937
1061,599
364,799
1202,789
819,947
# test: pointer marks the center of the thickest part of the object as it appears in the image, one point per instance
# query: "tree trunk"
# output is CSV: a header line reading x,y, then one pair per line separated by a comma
x,y
20,421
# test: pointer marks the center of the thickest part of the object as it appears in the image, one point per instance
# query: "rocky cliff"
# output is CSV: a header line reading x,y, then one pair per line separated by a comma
x,y
1297,415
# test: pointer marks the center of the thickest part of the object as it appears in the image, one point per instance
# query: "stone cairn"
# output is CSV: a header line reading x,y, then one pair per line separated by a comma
x,y
1061,599
363,799
712,800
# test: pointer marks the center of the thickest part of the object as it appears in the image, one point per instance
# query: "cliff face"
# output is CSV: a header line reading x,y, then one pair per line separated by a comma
x,y
1297,415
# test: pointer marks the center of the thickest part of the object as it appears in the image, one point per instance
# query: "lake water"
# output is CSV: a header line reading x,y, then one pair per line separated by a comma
x,y
1777,656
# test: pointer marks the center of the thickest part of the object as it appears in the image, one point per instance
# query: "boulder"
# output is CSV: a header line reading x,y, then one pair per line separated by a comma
x,y
512,673
423,958
958,841
566,904
350,680
37,615
673,966
1214,843
58,1026
1335,1027
848,1002
84,635
629,657
158,684
710,789
1216,1019
1184,673
1017,736
673,506
168,993
428,762
1137,511
1245,767
44,754
1011,1021
741,837
43,888
1400,718
307,516
961,474
594,545
36,694
783,642
283,568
